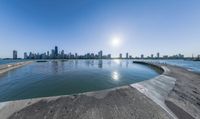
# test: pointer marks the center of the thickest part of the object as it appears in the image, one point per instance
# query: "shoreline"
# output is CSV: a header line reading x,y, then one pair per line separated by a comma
x,y
166,95
7,67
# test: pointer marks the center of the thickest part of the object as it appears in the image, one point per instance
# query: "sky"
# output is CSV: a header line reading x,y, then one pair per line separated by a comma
x,y
80,26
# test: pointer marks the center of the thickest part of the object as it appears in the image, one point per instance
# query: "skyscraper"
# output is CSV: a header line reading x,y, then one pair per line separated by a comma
x,y
62,54
142,56
126,55
100,54
120,55
52,53
14,54
56,51
25,56
158,55
76,55
151,55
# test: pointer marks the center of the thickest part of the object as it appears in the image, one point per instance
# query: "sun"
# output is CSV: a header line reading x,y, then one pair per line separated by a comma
x,y
116,41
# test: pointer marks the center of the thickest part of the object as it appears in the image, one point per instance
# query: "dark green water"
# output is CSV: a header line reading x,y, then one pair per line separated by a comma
x,y
73,76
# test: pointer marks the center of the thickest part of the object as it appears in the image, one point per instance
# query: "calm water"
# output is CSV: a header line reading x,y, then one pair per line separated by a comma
x,y
8,61
69,77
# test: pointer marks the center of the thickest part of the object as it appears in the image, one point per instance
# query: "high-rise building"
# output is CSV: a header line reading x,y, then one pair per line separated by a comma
x,y
48,54
52,53
14,54
70,55
56,51
62,54
100,54
25,56
142,56
76,55
158,55
109,56
151,55
120,55
126,55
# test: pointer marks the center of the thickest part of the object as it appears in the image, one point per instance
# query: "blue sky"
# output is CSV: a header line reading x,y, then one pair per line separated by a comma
x,y
144,26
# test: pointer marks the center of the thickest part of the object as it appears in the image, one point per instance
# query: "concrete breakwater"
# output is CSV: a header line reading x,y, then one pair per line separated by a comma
x,y
7,67
173,94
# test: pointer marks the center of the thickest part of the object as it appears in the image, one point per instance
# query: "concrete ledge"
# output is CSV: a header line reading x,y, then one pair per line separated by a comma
x,y
176,89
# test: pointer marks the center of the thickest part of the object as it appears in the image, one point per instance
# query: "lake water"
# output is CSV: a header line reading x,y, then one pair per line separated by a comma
x,y
8,61
69,77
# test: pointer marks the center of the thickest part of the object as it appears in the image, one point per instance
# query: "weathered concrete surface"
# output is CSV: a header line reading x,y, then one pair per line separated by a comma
x,y
123,103
176,89
186,92
7,67
174,94
157,89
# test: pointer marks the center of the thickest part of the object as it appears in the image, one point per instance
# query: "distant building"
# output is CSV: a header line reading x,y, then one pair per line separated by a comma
x,y
62,54
25,56
152,56
120,55
52,53
198,57
126,55
92,56
76,55
56,51
100,54
158,55
180,56
14,54
109,56
142,56
165,56
48,55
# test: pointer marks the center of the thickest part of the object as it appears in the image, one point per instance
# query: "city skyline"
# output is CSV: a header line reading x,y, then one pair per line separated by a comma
x,y
55,53
142,27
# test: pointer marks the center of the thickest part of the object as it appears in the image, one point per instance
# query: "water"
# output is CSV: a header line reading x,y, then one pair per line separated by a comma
x,y
70,77
8,61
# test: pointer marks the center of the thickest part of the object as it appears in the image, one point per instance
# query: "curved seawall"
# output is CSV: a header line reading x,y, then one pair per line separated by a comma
x,y
166,96
176,90
7,67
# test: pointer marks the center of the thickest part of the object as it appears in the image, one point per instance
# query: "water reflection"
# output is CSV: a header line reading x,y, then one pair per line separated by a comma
x,y
115,75
54,66
87,62
109,63
100,64
76,63
127,62
117,61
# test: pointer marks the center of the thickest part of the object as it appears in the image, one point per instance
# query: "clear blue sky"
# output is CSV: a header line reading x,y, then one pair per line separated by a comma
x,y
144,26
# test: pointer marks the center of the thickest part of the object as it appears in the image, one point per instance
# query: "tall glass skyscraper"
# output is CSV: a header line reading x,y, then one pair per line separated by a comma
x,y
56,51
14,54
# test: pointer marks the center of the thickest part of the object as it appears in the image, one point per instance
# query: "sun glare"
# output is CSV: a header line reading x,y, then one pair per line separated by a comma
x,y
116,41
